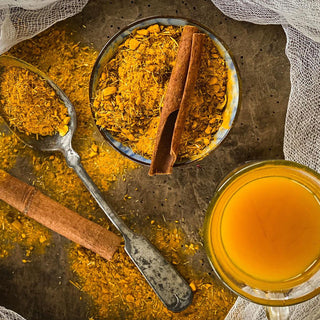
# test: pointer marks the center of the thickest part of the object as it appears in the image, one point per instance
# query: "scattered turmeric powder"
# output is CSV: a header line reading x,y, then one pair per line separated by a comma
x,y
116,287
30,104
10,148
15,228
69,66
133,83
120,291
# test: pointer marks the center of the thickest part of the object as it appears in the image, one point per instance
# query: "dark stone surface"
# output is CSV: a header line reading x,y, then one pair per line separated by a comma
x,y
40,290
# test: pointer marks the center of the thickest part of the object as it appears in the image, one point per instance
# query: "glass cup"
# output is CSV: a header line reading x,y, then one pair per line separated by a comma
x,y
262,234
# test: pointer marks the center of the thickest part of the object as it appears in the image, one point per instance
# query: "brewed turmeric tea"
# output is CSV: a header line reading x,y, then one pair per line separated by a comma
x,y
269,225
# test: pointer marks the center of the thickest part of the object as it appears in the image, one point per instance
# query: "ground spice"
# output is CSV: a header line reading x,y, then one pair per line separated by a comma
x,y
115,287
176,103
69,65
120,292
133,83
30,104
15,228
10,148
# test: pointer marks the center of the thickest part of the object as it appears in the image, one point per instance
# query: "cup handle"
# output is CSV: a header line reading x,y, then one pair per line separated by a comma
x,y
277,313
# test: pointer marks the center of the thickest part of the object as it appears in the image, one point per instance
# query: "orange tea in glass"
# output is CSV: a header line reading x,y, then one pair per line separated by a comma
x,y
262,232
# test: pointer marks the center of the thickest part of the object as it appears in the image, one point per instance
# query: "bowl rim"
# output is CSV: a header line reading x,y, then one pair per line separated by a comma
x,y
110,42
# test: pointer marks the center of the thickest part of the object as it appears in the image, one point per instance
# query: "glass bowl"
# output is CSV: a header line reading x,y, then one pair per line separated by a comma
x,y
274,290
233,85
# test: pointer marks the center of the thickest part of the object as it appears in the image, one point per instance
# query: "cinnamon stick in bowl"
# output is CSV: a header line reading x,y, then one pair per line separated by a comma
x,y
176,103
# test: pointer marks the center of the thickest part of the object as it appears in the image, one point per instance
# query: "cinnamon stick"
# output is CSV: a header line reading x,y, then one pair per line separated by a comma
x,y
194,64
161,157
53,215
176,101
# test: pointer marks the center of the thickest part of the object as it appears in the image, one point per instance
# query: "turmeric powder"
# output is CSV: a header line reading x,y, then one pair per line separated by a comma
x,y
15,227
30,104
116,287
51,173
133,83
119,290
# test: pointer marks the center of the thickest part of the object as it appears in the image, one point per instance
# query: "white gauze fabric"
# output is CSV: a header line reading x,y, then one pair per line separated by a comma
x,y
23,19
301,23
245,310
6,314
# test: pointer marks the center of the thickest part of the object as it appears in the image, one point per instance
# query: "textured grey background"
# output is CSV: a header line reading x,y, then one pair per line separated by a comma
x,y
40,290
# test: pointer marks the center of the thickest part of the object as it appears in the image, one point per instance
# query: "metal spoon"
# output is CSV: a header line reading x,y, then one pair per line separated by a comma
x,y
167,283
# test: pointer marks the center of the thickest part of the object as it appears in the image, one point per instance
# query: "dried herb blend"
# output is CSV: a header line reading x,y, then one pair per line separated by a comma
x,y
69,65
30,104
121,292
133,84
117,289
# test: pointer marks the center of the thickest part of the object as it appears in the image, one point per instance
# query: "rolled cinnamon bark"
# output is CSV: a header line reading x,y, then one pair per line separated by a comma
x,y
34,204
176,102
194,64
161,158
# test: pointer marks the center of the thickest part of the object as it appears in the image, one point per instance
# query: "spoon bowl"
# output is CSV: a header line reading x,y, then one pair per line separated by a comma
x,y
55,142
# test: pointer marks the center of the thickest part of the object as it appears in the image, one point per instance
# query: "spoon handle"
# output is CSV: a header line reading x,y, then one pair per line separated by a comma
x,y
167,283
74,162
